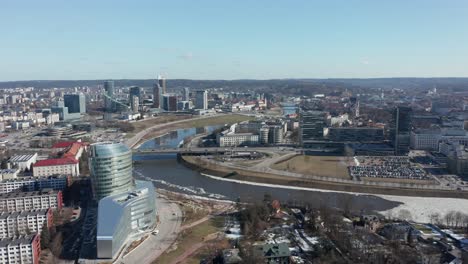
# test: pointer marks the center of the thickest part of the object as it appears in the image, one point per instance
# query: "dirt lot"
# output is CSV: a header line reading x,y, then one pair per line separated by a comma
x,y
328,166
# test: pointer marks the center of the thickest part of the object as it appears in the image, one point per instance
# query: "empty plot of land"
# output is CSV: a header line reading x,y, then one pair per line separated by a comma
x,y
327,166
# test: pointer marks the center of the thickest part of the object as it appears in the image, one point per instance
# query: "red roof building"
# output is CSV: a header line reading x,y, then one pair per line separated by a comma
x,y
48,167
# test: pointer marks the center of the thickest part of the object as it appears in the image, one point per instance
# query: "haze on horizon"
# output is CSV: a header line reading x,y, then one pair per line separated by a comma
x,y
64,40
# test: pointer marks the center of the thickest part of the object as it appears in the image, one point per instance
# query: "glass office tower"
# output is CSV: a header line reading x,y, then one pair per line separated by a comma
x,y
110,166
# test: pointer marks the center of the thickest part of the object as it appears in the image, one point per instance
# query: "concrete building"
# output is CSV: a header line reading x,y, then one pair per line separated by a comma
x,y
29,184
25,222
110,168
136,91
23,162
20,250
24,201
134,103
123,214
48,167
6,174
162,84
263,136
76,103
275,135
157,95
201,100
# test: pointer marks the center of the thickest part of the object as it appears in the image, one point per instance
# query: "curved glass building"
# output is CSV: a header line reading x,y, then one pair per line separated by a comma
x,y
110,167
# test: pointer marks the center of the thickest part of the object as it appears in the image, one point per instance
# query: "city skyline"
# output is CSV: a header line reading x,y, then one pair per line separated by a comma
x,y
54,40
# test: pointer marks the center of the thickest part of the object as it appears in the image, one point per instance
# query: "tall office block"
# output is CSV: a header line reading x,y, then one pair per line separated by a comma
x,y
110,167
312,124
134,103
136,91
186,94
76,103
109,104
162,83
201,100
400,129
170,102
157,95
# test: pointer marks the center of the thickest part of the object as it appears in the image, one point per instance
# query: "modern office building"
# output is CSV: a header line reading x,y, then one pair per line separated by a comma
x,y
186,94
162,84
109,105
21,249
170,102
76,103
63,111
231,139
356,134
400,129
157,95
312,124
23,201
136,91
123,214
125,206
24,222
110,168
134,103
201,100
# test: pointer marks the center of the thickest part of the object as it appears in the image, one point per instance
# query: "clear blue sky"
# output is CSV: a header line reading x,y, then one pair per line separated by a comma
x,y
228,39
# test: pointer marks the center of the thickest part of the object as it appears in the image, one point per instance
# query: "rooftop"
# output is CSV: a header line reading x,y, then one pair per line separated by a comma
x,y
5,215
22,158
14,241
12,195
55,162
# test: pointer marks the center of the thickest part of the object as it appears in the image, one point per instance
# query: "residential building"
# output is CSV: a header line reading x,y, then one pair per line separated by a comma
x,y
20,250
66,165
6,174
29,184
110,168
25,222
274,253
201,100
22,201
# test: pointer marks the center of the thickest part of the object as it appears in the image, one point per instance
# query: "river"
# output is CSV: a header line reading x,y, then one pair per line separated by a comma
x,y
167,173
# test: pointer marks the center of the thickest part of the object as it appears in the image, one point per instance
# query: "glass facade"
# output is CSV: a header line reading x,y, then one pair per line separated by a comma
x,y
111,169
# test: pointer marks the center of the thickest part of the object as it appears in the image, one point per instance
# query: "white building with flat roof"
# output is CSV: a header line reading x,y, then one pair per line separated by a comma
x,y
23,161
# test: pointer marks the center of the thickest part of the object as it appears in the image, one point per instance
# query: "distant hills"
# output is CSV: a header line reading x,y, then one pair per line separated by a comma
x,y
380,83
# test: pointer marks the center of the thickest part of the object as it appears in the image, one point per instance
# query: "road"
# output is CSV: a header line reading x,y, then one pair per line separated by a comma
x,y
170,219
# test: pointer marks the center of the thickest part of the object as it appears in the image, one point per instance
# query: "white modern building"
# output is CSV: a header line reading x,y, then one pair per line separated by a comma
x,y
6,174
20,250
24,222
231,139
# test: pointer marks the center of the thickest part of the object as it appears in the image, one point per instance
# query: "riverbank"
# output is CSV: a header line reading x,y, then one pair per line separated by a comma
x,y
276,179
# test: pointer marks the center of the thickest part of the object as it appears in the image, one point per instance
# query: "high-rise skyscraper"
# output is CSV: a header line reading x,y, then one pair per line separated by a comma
x,y
170,102
126,207
109,105
136,91
134,103
400,129
76,103
201,100
312,124
157,96
110,167
186,94
162,83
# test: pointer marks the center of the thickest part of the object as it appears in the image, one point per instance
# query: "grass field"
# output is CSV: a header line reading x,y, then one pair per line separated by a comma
x,y
189,237
328,166
140,125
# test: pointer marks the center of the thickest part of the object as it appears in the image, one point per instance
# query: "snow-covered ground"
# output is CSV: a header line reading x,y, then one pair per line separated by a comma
x,y
419,208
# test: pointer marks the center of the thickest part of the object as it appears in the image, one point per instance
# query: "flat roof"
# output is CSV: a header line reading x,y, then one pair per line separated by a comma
x,y
22,158
5,215
15,241
12,195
